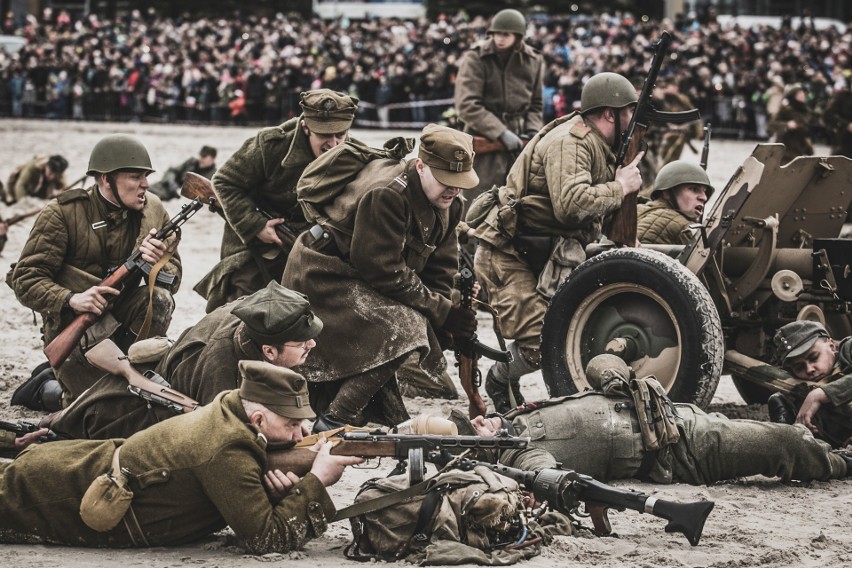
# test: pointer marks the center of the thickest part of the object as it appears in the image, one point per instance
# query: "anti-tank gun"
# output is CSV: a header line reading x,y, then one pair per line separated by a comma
x,y
768,253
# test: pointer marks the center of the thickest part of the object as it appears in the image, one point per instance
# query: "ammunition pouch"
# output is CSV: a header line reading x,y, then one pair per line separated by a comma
x,y
534,250
655,412
107,499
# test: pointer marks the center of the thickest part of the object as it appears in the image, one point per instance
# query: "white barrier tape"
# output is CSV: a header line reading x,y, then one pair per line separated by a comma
x,y
435,102
380,124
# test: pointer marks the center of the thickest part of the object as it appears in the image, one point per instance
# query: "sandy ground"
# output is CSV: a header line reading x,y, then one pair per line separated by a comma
x,y
756,522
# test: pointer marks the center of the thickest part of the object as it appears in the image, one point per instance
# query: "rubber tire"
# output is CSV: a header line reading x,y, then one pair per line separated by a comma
x,y
687,304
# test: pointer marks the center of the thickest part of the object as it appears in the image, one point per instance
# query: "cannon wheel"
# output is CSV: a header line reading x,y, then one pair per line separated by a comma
x,y
646,305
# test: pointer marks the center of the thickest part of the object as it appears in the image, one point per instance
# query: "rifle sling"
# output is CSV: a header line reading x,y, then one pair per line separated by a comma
x,y
384,501
152,282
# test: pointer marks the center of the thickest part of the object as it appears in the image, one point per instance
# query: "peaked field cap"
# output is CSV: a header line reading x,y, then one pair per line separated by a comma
x,y
328,112
796,338
279,389
449,153
276,314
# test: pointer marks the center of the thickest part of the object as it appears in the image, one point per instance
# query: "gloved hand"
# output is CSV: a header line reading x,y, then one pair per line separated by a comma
x,y
460,322
511,141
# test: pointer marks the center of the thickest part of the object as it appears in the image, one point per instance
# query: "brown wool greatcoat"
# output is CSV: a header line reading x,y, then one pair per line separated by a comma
x,y
30,181
491,98
190,477
380,299
797,141
262,173
201,364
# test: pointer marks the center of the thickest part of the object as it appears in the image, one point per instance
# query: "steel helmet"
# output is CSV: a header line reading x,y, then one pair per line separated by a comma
x,y
117,152
508,21
678,173
605,367
607,90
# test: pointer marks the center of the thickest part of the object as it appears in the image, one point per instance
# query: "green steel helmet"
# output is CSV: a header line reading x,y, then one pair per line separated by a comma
x,y
603,368
680,172
117,152
607,90
508,21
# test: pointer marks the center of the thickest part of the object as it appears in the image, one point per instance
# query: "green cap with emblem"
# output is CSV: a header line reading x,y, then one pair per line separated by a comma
x,y
449,153
277,314
796,338
281,390
328,112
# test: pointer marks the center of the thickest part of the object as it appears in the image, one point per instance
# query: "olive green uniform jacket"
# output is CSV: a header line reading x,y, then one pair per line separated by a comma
x,y
657,222
600,436
382,295
190,477
201,364
30,181
75,241
262,173
797,141
493,94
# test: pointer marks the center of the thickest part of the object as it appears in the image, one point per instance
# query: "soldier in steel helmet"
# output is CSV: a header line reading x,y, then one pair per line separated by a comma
x,y
558,198
76,241
597,433
498,94
262,174
681,191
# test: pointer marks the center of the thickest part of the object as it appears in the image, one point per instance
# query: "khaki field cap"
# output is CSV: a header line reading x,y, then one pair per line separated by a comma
x,y
796,338
281,390
328,112
277,314
449,153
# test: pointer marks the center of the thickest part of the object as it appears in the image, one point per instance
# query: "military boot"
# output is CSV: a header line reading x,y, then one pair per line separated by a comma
x,y
502,376
41,391
780,409
326,422
847,457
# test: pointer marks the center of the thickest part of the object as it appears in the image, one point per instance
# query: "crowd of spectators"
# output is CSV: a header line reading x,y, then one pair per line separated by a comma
x,y
251,69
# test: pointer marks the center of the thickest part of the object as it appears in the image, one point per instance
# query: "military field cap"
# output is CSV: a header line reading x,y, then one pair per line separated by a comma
x,y
796,338
281,390
449,153
328,112
277,314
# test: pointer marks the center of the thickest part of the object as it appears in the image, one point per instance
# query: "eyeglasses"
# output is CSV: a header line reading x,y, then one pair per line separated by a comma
x,y
300,345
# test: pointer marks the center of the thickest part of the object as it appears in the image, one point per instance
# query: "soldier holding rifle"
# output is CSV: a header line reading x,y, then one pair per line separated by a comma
x,y
256,188
77,240
181,480
558,195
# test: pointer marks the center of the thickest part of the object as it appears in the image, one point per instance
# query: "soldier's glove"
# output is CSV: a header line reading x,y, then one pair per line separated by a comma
x,y
445,339
460,322
511,141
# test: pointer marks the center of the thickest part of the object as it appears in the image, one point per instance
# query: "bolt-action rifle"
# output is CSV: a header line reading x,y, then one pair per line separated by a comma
x,y
151,387
469,350
705,150
564,490
623,225
23,427
63,344
196,186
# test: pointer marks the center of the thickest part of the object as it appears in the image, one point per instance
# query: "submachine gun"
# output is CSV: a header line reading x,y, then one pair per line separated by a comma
x,y
564,490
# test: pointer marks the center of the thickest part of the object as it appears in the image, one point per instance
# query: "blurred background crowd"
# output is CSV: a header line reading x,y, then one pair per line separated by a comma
x,y
250,70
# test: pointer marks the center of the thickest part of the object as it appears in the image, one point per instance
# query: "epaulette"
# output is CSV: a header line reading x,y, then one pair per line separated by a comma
x,y
71,195
580,130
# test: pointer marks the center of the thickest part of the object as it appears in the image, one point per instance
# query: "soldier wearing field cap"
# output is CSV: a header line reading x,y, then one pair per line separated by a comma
x,y
379,272
806,350
181,480
257,190
274,325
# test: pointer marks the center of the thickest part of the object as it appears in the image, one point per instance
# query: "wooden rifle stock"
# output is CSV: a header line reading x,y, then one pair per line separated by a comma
x,y
197,186
467,360
63,344
482,145
622,229
107,357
